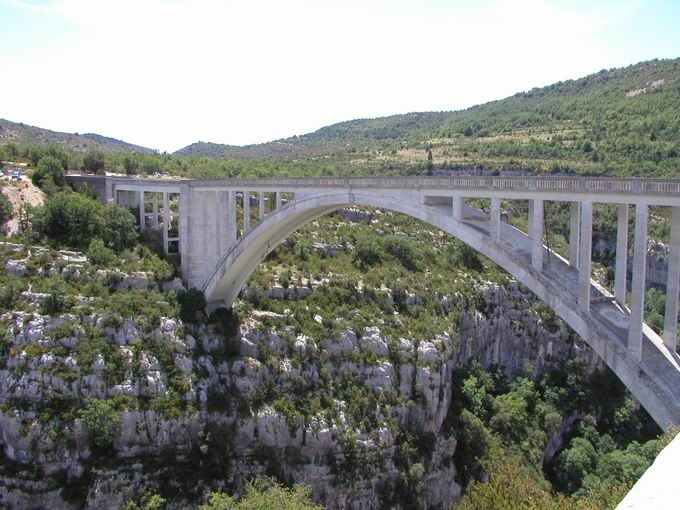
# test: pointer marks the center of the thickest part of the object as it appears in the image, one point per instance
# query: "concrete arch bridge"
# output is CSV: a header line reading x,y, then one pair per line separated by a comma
x,y
222,229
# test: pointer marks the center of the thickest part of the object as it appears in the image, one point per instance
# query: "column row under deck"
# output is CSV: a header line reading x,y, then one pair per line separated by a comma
x,y
580,258
155,210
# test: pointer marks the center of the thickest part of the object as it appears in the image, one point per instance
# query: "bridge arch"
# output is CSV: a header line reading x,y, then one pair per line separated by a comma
x,y
653,390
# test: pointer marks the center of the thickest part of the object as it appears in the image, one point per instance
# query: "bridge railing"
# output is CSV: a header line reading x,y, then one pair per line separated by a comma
x,y
514,183
543,183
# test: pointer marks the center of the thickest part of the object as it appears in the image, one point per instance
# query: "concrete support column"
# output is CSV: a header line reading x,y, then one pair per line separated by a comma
x,y
637,305
621,274
574,228
142,211
536,234
109,193
458,208
586,245
166,222
670,329
246,211
261,204
530,218
205,243
231,217
154,211
184,212
222,226
278,200
495,219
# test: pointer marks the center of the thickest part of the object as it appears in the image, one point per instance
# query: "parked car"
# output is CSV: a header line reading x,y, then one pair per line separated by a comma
x,y
16,174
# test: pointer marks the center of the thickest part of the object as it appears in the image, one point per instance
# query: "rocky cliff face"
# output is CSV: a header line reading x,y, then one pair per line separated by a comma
x,y
202,409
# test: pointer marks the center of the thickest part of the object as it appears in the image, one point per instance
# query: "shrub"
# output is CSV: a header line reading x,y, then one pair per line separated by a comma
x,y
74,219
94,161
120,227
69,218
102,420
10,291
99,254
264,494
49,167
147,501
368,251
404,250
6,209
56,301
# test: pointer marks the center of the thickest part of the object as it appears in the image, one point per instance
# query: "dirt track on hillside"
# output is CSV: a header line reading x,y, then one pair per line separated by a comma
x,y
20,192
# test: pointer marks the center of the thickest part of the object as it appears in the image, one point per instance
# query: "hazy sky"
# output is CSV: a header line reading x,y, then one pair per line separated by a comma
x,y
165,73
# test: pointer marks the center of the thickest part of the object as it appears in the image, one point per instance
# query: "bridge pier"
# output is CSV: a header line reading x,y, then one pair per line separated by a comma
x,y
670,329
154,211
536,233
495,219
637,305
166,223
231,217
574,233
142,211
457,207
621,269
246,211
585,254
261,204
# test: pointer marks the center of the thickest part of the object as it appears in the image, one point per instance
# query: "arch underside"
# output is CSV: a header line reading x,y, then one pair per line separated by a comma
x,y
654,381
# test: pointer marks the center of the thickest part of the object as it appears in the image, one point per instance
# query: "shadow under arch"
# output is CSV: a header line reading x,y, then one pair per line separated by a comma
x,y
653,391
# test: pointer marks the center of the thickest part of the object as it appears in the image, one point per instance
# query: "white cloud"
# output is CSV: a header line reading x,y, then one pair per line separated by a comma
x,y
166,73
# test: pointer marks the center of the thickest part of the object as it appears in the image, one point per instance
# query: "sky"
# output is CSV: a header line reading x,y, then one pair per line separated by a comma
x,y
166,73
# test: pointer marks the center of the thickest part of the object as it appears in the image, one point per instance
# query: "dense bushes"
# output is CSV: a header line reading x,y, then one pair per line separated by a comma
x,y
6,210
102,420
503,429
74,220
49,168
264,494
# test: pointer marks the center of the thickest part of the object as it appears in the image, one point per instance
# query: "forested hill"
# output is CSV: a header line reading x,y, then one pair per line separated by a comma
x,y
22,133
624,121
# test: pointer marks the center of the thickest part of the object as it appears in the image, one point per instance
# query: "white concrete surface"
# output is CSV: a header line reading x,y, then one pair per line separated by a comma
x,y
658,487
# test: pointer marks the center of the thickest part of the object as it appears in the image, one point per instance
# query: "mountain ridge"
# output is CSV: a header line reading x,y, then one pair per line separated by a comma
x,y
19,132
565,105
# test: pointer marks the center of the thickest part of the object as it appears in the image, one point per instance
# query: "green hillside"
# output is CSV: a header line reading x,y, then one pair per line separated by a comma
x,y
14,132
623,121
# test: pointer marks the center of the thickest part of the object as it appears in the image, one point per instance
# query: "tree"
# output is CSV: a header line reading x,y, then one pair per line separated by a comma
x,y
94,161
119,227
6,209
48,167
102,420
131,165
75,219
69,219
